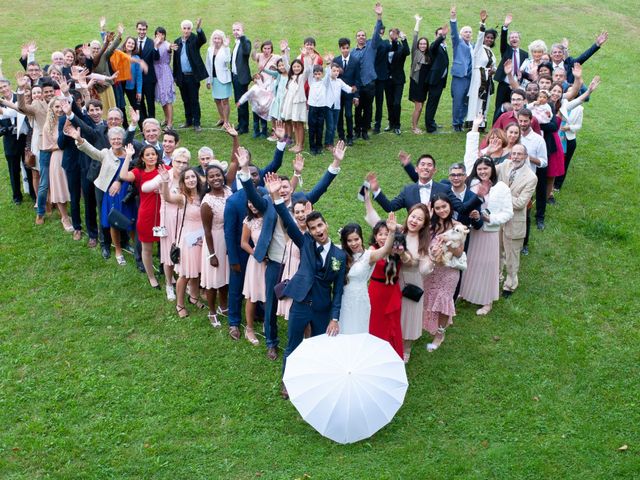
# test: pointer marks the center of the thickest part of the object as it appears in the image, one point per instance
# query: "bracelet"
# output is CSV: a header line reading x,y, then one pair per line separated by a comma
x,y
212,255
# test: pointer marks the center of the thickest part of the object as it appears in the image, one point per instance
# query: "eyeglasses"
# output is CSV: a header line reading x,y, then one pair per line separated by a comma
x,y
456,174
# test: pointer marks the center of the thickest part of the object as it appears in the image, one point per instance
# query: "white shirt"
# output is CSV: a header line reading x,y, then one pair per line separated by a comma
x,y
425,192
234,70
318,91
333,92
535,148
324,252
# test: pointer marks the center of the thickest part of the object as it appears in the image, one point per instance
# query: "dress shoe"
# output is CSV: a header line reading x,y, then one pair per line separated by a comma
x,y
365,136
524,251
197,129
540,224
17,201
506,293
106,252
376,131
272,353
185,125
283,392
234,333
92,243
397,131
388,129
457,128
350,142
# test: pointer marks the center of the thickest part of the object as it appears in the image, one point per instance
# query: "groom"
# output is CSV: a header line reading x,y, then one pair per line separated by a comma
x,y
316,288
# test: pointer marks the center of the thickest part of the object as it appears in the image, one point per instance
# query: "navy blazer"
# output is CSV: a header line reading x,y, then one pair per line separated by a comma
x,y
273,166
70,152
462,53
322,288
149,54
242,60
381,63
351,74
439,63
193,44
269,216
235,210
464,218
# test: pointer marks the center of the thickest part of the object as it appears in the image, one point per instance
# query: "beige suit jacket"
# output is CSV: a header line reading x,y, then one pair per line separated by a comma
x,y
522,189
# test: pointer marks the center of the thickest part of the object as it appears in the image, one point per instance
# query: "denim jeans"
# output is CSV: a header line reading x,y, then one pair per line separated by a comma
x,y
332,121
43,186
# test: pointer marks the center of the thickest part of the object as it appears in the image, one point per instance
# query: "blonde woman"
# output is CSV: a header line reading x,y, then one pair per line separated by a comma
x,y
217,64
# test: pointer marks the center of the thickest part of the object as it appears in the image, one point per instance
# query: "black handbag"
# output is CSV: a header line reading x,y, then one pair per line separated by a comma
x,y
174,251
278,289
93,171
412,292
118,220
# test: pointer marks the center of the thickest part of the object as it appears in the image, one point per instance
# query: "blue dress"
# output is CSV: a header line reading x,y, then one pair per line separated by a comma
x,y
109,202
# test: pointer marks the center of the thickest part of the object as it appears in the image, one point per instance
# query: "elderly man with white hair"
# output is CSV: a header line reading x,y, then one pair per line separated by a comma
x,y
461,70
189,71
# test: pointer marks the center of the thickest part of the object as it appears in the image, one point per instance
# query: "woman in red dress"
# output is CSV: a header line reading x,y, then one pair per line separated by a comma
x,y
386,299
149,210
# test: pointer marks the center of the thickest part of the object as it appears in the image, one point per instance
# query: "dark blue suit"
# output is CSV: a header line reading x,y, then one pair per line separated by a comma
x,y
350,76
316,292
269,221
71,165
235,211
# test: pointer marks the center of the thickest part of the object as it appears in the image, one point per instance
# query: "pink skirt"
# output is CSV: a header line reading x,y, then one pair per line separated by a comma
x,y
190,259
439,287
168,219
254,285
480,283
215,277
58,186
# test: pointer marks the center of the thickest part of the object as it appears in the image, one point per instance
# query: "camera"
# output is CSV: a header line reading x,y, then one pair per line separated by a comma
x,y
160,231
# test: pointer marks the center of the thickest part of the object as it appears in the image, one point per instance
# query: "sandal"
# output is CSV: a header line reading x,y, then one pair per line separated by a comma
x,y
251,336
182,312
213,319
197,303
222,312
417,131
484,310
66,224
437,340
120,259
234,333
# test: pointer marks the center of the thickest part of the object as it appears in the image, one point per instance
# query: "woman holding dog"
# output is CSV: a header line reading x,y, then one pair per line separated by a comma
x,y
440,285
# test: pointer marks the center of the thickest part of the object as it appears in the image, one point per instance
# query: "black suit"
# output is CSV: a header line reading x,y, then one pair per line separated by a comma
x,y
351,76
14,152
381,66
503,92
397,79
148,104
436,80
241,80
189,83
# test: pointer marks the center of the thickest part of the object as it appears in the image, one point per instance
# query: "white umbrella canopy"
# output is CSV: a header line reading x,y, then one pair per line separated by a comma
x,y
346,387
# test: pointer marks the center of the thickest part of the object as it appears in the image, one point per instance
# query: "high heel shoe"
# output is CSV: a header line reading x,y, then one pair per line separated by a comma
x,y
437,340
196,302
484,310
251,336
222,312
213,320
66,224
182,312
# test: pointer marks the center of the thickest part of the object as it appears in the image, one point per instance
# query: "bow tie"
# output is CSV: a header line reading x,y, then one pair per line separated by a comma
x,y
427,186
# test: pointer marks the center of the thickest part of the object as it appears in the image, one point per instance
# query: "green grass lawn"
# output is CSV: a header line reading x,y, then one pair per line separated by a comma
x,y
100,379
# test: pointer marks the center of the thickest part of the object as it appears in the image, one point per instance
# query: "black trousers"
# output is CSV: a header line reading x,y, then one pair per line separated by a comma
x,y
393,92
381,86
346,116
316,126
503,94
240,89
89,195
541,193
364,110
433,100
148,102
571,148
190,93
74,174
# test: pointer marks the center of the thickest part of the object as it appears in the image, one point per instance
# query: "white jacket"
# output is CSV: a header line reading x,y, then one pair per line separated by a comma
x,y
498,202
223,74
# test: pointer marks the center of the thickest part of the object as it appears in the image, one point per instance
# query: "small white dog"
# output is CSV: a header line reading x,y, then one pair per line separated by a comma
x,y
452,239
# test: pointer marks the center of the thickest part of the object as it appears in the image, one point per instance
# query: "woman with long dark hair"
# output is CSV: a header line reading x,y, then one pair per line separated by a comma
x,y
356,307
149,209
480,282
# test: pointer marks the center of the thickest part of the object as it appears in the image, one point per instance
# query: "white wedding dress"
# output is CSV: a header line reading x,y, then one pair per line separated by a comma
x,y
356,308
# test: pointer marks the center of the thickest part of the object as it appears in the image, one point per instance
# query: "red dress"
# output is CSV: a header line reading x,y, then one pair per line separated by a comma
x,y
149,210
386,303
556,159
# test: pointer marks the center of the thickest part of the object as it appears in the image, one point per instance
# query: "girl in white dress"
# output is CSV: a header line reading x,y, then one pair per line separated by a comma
x,y
294,103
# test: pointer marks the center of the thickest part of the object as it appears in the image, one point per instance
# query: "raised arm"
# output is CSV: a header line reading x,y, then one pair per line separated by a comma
x,y
388,244
370,214
504,34
273,184
125,174
453,24
278,154
405,161
164,188
83,145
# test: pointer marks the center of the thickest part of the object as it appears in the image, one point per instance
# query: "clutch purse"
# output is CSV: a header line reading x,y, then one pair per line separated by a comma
x,y
412,292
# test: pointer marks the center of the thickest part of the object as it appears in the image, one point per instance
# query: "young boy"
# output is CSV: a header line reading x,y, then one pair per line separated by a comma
x,y
335,90
317,102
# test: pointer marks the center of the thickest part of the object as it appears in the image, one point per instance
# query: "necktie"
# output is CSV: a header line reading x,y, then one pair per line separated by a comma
x,y
140,45
515,63
319,262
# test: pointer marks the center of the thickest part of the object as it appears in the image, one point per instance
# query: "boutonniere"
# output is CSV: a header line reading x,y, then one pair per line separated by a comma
x,y
335,264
